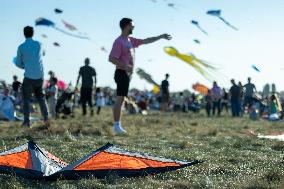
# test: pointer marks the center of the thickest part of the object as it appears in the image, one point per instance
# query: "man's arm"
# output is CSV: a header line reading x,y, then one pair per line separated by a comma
x,y
78,79
95,77
153,39
19,60
117,62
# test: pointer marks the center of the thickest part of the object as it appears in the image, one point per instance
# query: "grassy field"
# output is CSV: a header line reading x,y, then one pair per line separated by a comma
x,y
233,159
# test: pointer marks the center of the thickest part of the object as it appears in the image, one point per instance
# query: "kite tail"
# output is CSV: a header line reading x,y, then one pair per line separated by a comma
x,y
203,31
205,64
73,35
228,24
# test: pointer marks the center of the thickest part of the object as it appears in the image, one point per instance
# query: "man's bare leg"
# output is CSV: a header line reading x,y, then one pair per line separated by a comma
x,y
117,108
117,114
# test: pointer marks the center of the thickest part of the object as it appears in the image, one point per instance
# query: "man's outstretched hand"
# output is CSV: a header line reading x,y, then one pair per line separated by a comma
x,y
166,36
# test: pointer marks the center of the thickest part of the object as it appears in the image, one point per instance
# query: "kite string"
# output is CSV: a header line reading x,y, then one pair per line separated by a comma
x,y
67,33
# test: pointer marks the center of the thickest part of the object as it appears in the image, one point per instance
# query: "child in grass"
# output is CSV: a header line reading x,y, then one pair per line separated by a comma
x,y
100,100
52,91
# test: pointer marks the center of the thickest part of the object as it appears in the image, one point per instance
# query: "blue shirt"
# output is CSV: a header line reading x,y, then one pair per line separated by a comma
x,y
29,58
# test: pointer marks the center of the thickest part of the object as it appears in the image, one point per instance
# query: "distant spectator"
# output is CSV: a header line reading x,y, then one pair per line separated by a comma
x,y
16,86
165,93
216,93
235,92
89,80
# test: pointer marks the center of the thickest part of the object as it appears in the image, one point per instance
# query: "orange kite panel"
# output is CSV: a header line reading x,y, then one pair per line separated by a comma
x,y
105,160
19,160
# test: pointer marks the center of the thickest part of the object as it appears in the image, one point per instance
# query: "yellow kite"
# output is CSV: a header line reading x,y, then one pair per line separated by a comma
x,y
199,65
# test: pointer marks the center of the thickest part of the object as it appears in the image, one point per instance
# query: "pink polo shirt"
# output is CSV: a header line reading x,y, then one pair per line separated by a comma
x,y
124,49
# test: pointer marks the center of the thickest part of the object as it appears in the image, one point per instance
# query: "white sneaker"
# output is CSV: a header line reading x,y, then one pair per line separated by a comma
x,y
118,129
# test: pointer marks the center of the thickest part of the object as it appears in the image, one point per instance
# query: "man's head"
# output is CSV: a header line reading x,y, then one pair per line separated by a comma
x,y
87,61
167,76
215,84
51,74
233,81
249,79
126,25
28,32
6,92
15,78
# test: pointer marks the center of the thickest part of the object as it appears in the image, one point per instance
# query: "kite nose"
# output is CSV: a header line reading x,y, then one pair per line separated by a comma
x,y
171,51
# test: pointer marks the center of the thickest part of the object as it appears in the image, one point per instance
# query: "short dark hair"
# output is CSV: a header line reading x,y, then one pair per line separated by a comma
x,y
28,31
124,22
87,61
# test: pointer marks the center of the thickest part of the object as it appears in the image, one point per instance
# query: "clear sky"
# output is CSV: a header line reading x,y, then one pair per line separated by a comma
x,y
259,40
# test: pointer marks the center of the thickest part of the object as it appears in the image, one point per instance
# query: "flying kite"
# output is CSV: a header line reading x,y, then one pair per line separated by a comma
x,y
104,49
56,44
194,22
199,65
202,89
196,41
255,68
217,13
69,26
172,5
49,23
58,11
143,75
44,36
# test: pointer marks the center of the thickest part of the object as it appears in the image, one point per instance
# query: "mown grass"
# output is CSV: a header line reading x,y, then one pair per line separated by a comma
x,y
233,159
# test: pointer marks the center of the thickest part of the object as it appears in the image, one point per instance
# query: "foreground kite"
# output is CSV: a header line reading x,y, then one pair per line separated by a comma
x,y
33,162
49,23
217,13
199,65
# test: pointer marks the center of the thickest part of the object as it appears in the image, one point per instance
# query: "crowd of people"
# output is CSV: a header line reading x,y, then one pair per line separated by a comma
x,y
53,100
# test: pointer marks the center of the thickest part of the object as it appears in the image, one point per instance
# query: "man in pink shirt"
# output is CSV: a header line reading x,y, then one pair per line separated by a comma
x,y
123,56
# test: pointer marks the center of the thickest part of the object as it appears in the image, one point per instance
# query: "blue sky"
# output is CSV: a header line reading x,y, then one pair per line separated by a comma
x,y
259,40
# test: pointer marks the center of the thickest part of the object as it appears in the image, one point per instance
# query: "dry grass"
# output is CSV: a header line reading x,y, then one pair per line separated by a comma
x,y
232,158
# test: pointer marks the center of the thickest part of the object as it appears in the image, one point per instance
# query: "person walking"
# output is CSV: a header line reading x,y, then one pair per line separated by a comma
x,y
89,80
29,58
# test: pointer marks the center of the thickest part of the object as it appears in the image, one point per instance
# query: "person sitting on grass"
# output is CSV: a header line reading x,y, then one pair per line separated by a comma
x,y
7,109
143,105
274,107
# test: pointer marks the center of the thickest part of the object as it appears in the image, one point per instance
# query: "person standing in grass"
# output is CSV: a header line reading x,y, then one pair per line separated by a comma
x,y
29,58
235,92
100,100
52,92
122,56
225,101
249,92
165,93
216,93
16,86
89,80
